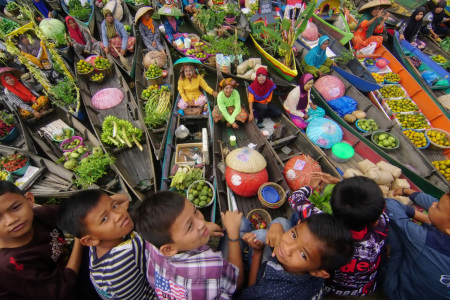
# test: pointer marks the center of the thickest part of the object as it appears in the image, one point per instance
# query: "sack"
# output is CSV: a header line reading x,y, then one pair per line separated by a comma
x,y
430,77
193,110
343,105
369,49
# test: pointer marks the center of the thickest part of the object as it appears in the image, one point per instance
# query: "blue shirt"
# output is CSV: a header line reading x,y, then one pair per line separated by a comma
x,y
121,31
424,269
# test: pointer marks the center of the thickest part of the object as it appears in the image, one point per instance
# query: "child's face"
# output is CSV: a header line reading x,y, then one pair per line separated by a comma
x,y
108,221
439,214
299,250
189,230
16,216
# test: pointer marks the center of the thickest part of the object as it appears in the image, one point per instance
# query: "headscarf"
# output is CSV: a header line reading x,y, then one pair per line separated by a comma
x,y
41,7
31,48
75,33
413,26
367,17
110,27
148,23
438,17
18,89
261,91
303,100
317,56
227,81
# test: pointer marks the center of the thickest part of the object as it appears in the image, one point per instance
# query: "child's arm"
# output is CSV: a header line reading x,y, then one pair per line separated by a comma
x,y
421,217
422,199
75,257
232,222
258,249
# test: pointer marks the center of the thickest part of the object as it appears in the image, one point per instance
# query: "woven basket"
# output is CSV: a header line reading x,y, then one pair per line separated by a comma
x,y
280,192
262,213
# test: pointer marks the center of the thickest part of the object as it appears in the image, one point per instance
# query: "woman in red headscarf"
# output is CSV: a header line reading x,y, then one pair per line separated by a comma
x,y
259,97
21,97
82,41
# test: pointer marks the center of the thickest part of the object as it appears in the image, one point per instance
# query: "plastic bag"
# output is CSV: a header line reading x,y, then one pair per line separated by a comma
x,y
339,23
343,105
430,77
319,112
369,49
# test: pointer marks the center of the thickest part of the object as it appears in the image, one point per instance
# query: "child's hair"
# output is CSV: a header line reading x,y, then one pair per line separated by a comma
x,y
184,67
338,240
9,187
358,201
155,215
73,211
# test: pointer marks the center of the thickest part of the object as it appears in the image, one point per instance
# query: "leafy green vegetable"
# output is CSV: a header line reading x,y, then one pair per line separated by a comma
x,y
91,169
322,201
64,91
78,11
345,57
7,26
445,44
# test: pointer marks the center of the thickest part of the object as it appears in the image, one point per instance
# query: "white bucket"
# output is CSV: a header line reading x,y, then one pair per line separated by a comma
x,y
187,43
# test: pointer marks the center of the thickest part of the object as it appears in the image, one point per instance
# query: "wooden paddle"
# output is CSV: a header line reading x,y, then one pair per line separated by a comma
x,y
123,60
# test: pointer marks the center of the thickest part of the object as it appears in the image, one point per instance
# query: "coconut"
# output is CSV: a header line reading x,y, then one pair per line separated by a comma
x,y
359,114
349,118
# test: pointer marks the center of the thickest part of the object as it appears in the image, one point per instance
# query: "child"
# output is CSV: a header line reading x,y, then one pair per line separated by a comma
x,y
179,264
116,256
359,202
32,250
419,266
305,255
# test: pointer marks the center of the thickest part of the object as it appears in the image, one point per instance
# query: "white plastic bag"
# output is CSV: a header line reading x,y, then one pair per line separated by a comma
x,y
369,49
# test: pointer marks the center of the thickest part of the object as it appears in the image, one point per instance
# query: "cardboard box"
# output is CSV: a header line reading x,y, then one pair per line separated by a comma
x,y
179,156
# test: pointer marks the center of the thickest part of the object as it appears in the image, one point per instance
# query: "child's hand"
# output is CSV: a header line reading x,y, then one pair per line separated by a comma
x,y
274,234
250,239
314,182
398,192
232,222
214,229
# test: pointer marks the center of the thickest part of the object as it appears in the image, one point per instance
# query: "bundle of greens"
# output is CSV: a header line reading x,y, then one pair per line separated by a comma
x,y
78,11
345,57
92,168
322,201
185,176
64,91
119,132
7,26
157,109
445,44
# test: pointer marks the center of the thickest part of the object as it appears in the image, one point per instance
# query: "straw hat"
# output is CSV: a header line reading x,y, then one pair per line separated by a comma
x,y
246,160
141,11
375,3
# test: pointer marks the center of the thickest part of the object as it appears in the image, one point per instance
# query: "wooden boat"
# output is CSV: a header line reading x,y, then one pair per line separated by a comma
x,y
342,36
157,136
402,48
414,163
287,73
135,166
127,19
89,23
429,106
246,133
133,8
433,47
195,125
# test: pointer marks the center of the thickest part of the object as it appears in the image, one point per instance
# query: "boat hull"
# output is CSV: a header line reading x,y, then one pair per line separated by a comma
x,y
342,36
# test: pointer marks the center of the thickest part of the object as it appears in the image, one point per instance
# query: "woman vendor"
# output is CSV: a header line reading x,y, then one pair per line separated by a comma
x,y
34,51
82,41
410,29
434,20
149,29
316,61
114,35
298,103
189,86
44,9
372,22
229,104
259,97
21,97
171,22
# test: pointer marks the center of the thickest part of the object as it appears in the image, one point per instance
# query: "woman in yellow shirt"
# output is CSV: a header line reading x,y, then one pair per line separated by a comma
x,y
189,88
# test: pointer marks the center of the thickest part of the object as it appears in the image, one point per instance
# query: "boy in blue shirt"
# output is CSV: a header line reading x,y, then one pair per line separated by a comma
x,y
419,266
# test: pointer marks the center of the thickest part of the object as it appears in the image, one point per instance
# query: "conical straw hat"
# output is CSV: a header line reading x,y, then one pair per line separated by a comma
x,y
246,160
375,3
141,11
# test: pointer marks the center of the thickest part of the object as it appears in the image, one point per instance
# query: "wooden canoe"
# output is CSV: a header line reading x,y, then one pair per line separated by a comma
x,y
429,106
157,136
89,24
433,47
343,36
285,72
135,166
415,164
195,124
127,19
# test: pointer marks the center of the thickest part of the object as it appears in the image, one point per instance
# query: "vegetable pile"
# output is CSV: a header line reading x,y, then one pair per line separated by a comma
x,y
65,90
6,124
7,26
200,194
445,44
185,176
150,91
72,143
13,162
322,200
386,140
119,132
153,72
78,11
10,6
92,168
367,124
157,109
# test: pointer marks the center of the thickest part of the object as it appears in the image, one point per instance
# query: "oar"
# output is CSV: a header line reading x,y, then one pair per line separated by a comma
x,y
123,60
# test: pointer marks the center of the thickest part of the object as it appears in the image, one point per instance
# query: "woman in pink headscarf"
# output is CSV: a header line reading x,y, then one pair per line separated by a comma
x,y
82,41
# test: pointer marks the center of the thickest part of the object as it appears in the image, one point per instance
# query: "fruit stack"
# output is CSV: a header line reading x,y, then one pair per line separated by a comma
x,y
419,139
366,125
439,59
151,90
385,140
378,77
444,167
392,91
392,78
200,193
97,77
439,138
84,68
412,121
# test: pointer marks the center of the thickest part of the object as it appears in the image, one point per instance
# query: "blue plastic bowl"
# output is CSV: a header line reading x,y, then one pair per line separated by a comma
x,y
13,134
270,194
22,170
373,69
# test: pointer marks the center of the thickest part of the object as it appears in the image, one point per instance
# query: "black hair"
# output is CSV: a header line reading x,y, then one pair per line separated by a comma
x,y
9,187
155,215
73,211
336,237
358,201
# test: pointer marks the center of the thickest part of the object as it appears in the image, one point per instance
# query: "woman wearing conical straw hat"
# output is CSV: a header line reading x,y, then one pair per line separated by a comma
x,y
149,29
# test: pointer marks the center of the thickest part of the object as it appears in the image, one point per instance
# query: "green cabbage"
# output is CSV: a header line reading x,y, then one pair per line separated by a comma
x,y
54,30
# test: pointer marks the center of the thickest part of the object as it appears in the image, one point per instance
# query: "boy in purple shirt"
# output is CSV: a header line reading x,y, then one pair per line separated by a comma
x,y
179,263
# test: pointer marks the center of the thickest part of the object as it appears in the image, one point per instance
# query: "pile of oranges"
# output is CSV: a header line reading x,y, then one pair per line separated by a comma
x,y
444,167
418,138
378,77
438,138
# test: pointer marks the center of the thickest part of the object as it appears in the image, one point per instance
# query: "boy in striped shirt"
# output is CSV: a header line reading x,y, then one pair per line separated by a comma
x,y
116,254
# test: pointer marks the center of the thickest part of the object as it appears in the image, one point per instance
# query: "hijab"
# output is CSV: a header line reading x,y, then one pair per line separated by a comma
x,y
413,25
18,89
438,17
41,7
367,17
261,91
110,27
227,81
303,100
76,33
317,56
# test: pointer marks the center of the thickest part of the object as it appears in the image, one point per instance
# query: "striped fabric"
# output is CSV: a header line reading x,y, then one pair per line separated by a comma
x,y
121,273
